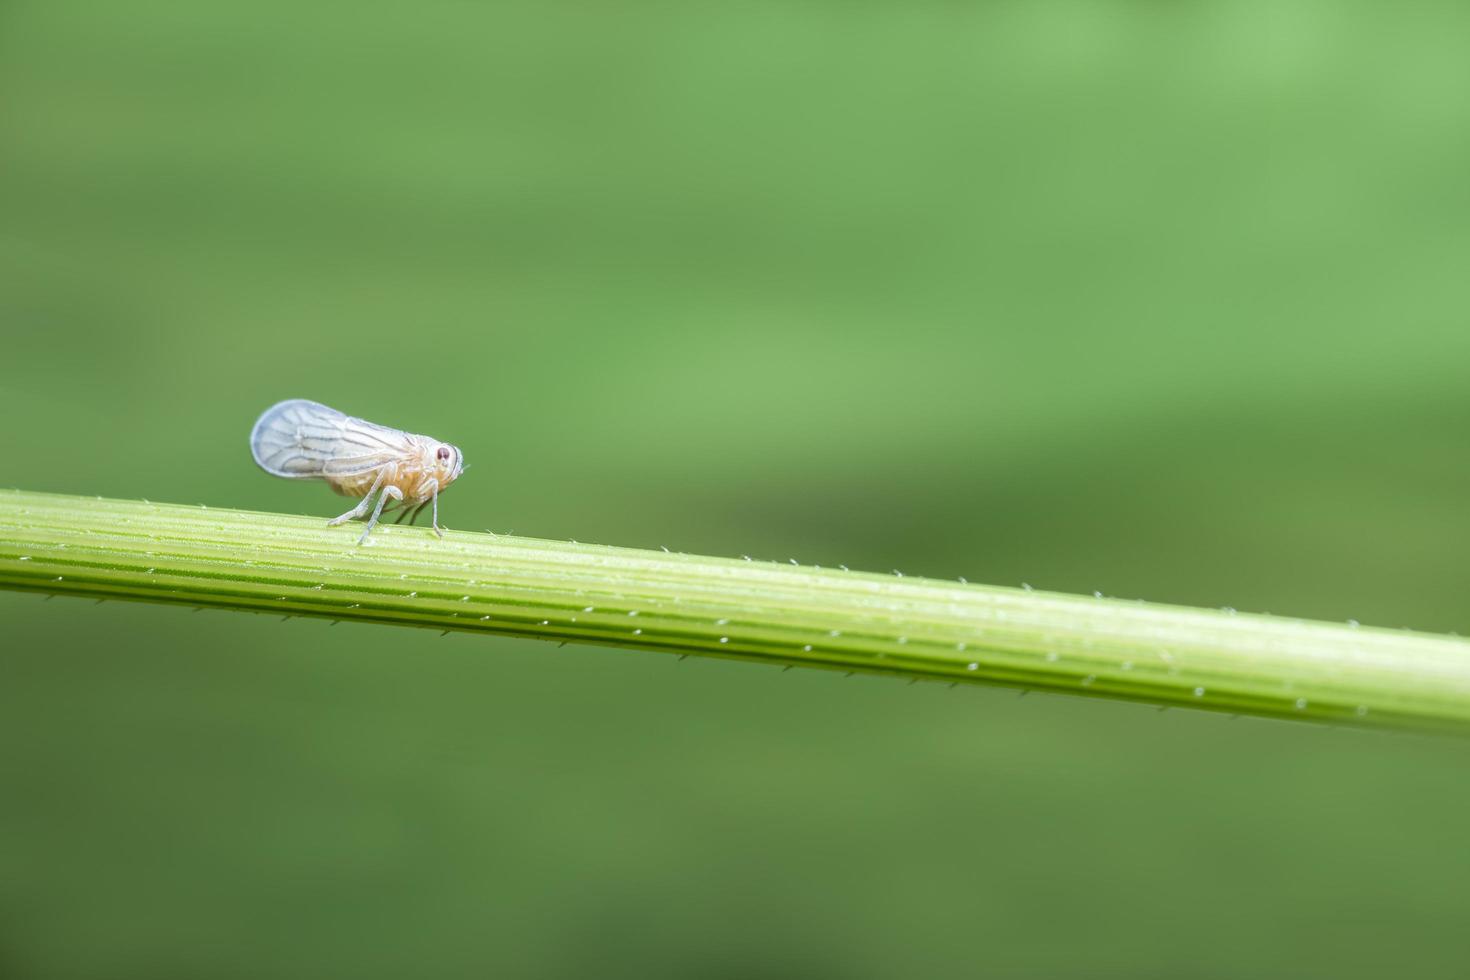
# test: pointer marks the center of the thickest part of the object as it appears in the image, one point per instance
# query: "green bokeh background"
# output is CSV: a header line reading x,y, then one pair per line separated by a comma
x,y
1167,301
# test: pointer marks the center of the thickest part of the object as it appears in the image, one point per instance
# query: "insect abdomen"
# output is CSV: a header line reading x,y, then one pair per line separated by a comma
x,y
356,486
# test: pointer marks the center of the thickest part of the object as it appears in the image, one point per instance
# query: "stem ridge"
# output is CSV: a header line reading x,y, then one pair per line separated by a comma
x,y
768,612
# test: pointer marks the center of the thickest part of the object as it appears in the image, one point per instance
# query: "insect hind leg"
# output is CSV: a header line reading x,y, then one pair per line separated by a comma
x,y
389,491
362,505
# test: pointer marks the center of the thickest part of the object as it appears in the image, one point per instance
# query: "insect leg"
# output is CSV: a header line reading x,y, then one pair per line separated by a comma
x,y
435,488
362,505
414,514
389,491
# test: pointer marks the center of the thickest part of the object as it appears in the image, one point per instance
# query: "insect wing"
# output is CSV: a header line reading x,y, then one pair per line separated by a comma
x,y
364,446
301,439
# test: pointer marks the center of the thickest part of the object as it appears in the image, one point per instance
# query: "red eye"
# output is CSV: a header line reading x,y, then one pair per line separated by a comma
x,y
443,454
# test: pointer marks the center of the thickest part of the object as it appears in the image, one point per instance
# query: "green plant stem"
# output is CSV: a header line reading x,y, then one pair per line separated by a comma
x,y
752,610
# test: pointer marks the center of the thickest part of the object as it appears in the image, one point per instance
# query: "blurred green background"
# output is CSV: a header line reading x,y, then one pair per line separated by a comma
x,y
1167,301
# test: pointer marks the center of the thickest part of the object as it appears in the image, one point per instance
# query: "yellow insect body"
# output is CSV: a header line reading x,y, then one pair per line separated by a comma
x,y
305,440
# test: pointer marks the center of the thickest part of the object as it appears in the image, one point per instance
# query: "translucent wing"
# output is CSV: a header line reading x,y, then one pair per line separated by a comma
x,y
302,439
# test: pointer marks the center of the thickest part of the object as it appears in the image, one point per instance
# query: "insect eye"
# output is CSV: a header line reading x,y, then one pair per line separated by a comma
x,y
443,454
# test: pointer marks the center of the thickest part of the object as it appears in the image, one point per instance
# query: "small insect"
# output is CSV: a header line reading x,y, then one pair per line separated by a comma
x,y
304,440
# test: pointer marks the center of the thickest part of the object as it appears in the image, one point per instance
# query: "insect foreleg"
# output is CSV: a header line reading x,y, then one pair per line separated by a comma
x,y
436,510
389,491
362,505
